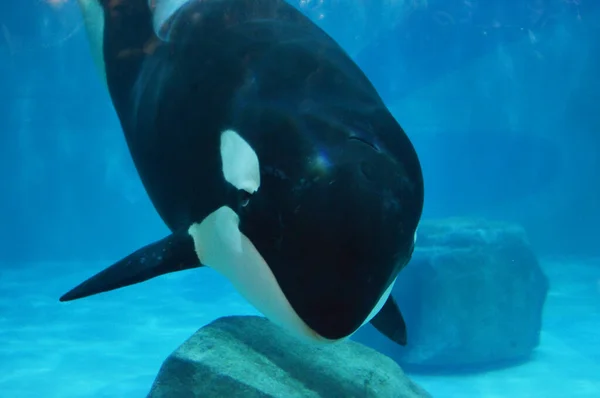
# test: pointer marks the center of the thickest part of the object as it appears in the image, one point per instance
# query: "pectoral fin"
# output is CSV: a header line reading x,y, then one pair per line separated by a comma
x,y
171,254
390,323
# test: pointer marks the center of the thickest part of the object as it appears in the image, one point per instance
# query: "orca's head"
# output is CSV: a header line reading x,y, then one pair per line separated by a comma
x,y
317,225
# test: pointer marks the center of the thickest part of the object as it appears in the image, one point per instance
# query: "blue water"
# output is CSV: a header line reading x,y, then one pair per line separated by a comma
x,y
500,98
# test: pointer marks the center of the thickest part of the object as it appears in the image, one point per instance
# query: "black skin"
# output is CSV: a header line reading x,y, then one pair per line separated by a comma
x,y
341,189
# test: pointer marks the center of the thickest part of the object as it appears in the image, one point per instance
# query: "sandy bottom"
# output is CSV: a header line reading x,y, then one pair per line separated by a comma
x,y
112,345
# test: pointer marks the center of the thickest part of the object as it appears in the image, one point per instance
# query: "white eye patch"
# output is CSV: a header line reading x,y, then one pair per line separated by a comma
x,y
240,163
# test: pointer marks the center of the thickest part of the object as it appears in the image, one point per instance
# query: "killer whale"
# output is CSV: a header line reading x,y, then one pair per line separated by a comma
x,y
268,154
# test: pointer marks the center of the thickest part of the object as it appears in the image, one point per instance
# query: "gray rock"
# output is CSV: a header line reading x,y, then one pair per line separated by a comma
x,y
251,357
472,297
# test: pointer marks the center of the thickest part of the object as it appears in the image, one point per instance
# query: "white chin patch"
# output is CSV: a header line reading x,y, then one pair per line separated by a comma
x,y
220,245
380,303
93,18
240,163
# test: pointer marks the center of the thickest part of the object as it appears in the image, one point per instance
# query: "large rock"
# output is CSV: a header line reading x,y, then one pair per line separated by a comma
x,y
472,296
251,357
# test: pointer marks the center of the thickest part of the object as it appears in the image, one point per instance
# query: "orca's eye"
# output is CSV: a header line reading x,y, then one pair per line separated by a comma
x,y
244,197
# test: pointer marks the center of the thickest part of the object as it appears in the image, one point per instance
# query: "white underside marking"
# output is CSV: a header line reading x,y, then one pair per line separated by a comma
x,y
220,245
93,17
380,303
240,163
385,295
